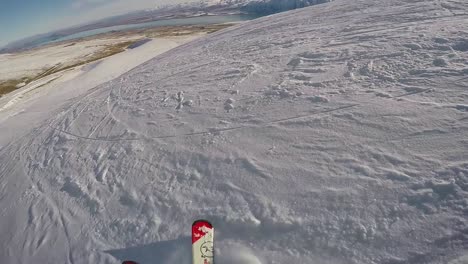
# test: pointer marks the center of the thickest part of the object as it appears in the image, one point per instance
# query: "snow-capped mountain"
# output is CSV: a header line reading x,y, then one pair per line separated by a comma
x,y
330,134
254,6
276,6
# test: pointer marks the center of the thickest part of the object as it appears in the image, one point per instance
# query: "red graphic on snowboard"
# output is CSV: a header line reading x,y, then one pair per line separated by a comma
x,y
200,229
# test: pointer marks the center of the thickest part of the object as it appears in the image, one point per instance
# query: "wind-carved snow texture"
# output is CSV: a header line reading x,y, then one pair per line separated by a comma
x,y
332,134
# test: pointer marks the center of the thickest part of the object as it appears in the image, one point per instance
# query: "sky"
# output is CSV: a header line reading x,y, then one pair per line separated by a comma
x,y
24,18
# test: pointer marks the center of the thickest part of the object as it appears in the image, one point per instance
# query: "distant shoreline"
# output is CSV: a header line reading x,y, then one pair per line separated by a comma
x,y
87,31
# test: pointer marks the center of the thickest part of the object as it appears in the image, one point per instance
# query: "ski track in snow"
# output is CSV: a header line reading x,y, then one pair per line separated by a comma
x,y
332,134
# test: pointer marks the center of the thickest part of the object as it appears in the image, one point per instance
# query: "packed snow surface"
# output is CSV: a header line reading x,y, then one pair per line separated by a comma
x,y
332,134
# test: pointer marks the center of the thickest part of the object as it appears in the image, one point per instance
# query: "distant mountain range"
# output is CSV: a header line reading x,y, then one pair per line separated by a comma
x,y
191,9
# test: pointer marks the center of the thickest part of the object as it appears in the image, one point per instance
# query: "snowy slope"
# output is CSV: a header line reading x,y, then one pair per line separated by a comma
x,y
34,103
332,134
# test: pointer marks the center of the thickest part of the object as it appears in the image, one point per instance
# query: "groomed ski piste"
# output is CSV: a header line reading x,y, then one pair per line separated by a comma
x,y
336,133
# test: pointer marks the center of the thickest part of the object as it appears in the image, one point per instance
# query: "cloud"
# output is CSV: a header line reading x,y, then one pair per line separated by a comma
x,y
120,5
79,4
89,10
